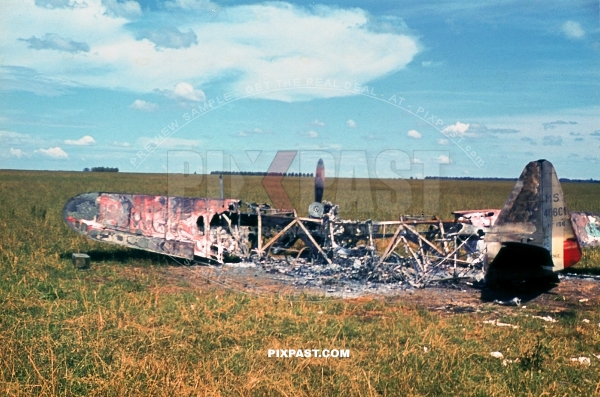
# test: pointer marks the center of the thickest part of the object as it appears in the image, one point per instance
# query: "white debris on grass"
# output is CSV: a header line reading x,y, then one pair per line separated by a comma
x,y
499,324
581,360
497,355
425,349
583,300
516,301
507,361
585,320
545,318
241,264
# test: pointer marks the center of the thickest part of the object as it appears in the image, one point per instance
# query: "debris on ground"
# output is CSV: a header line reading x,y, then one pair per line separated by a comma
x,y
581,360
499,324
545,318
513,302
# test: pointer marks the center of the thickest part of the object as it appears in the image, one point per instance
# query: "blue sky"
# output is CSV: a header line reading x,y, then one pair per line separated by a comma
x,y
379,88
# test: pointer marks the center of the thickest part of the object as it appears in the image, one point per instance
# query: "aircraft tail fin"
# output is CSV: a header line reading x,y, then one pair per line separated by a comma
x,y
534,226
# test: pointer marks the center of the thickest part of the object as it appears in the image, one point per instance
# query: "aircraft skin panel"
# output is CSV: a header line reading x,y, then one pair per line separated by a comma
x,y
558,229
587,228
552,202
166,225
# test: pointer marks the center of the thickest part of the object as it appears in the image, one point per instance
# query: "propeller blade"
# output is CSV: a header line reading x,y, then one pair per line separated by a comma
x,y
319,181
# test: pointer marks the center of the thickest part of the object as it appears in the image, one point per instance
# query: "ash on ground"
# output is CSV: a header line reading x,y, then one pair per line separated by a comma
x,y
356,276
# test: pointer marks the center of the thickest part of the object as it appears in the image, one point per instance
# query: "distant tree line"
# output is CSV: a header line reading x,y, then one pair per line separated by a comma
x,y
579,180
101,169
470,178
261,173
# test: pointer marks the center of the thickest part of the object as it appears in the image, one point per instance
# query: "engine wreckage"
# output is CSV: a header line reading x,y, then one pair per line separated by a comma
x,y
532,236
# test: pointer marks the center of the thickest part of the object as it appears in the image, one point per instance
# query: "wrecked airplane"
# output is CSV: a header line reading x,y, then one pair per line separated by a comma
x,y
532,236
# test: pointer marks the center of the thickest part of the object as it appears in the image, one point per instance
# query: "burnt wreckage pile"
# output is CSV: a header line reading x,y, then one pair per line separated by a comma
x,y
413,250
318,249
532,237
324,249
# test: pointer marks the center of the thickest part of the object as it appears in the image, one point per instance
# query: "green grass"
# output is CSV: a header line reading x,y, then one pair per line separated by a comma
x,y
125,328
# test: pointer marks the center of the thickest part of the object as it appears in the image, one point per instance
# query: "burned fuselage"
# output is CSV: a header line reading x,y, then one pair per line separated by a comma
x,y
531,235
177,226
222,229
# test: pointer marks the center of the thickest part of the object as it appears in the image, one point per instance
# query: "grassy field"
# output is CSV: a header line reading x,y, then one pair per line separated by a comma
x,y
125,328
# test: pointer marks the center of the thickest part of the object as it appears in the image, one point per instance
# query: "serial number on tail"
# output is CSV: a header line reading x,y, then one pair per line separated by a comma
x,y
556,211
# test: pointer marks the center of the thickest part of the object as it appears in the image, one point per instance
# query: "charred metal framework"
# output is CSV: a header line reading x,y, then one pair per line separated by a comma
x,y
412,249
531,235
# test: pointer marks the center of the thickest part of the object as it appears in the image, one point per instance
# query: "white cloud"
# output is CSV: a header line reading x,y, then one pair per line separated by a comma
x,y
431,64
256,131
255,43
186,92
149,143
573,30
311,134
171,37
188,5
121,144
54,153
553,124
13,138
456,129
127,9
351,123
53,3
51,41
18,153
443,159
83,141
414,134
326,146
318,123
144,106
552,140
475,130
443,142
